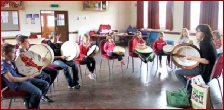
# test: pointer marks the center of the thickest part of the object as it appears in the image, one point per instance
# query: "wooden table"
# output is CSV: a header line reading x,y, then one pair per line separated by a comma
x,y
98,36
31,41
125,36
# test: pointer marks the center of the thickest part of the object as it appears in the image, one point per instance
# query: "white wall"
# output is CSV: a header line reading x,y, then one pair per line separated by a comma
x,y
117,16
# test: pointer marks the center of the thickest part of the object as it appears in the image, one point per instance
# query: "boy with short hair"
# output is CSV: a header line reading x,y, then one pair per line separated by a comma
x,y
59,60
47,74
33,86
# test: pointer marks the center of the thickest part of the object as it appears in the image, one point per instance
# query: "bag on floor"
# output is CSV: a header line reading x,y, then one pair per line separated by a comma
x,y
200,97
177,98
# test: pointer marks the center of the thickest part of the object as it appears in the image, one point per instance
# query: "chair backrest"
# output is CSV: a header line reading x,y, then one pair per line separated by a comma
x,y
104,27
217,68
45,41
130,44
91,33
170,42
102,42
79,40
33,37
152,37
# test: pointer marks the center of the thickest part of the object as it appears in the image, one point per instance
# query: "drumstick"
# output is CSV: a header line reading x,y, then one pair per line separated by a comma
x,y
46,54
178,55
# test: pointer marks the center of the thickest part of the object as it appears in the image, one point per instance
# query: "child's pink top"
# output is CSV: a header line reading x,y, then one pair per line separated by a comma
x,y
108,47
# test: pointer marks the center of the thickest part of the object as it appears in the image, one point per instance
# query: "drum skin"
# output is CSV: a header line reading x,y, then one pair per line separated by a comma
x,y
44,51
146,50
70,50
29,63
168,48
183,50
93,49
119,50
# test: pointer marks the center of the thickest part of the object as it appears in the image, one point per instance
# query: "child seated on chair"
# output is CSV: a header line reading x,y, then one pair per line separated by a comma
x,y
185,37
158,48
138,42
47,74
88,60
60,61
33,86
108,48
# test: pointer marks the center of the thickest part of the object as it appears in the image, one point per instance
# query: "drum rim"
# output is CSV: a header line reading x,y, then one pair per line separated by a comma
x,y
96,48
49,48
145,52
185,67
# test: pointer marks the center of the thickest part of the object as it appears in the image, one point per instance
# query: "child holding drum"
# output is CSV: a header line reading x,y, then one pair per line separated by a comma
x,y
33,86
61,61
139,47
48,74
88,60
108,48
158,48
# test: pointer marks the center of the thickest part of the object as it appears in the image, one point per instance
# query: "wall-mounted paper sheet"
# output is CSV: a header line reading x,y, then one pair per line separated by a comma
x,y
15,17
35,15
28,15
5,19
3,13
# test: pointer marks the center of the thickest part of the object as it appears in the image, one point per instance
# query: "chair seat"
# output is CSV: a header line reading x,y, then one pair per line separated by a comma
x,y
190,76
14,94
133,55
79,61
109,57
54,67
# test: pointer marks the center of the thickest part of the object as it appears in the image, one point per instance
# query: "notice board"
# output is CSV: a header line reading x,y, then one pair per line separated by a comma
x,y
10,20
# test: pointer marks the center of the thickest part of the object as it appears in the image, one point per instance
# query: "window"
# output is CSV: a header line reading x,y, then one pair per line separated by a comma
x,y
195,14
145,14
50,20
162,14
220,19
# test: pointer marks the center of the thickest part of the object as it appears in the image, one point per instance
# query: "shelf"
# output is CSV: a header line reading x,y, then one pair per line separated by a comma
x,y
11,8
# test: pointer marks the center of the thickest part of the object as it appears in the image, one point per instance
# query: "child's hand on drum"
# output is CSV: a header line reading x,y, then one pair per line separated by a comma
x,y
29,77
44,59
63,57
188,57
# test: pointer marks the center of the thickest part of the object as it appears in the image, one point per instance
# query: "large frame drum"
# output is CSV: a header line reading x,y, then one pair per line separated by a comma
x,y
44,51
70,50
29,63
180,51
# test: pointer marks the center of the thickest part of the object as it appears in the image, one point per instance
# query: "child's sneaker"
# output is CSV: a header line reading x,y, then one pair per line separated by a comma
x,y
122,62
90,75
69,87
93,75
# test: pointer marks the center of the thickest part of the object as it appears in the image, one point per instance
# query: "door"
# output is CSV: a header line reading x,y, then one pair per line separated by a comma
x,y
61,24
47,23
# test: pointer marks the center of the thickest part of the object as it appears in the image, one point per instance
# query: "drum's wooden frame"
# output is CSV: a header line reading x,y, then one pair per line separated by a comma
x,y
179,65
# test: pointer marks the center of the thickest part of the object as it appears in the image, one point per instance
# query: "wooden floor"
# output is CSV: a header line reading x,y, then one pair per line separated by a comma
x,y
138,89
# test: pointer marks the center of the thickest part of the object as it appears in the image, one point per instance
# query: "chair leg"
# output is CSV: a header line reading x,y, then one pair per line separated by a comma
x,y
85,69
112,65
10,102
109,66
80,72
133,64
187,84
147,66
128,61
100,64
219,86
122,68
157,64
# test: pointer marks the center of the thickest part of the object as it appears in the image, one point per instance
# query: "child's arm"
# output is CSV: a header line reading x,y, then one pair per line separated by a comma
x,y
105,47
12,79
81,51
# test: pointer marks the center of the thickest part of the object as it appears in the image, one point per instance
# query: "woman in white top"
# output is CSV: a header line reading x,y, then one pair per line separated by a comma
x,y
184,37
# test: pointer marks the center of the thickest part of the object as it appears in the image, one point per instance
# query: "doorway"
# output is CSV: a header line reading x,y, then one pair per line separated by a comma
x,y
54,21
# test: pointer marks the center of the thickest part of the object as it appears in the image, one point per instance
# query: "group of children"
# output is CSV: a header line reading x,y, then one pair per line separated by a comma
x,y
37,87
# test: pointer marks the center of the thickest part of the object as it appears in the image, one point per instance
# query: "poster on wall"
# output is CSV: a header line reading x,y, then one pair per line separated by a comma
x,y
32,20
15,17
28,15
35,15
